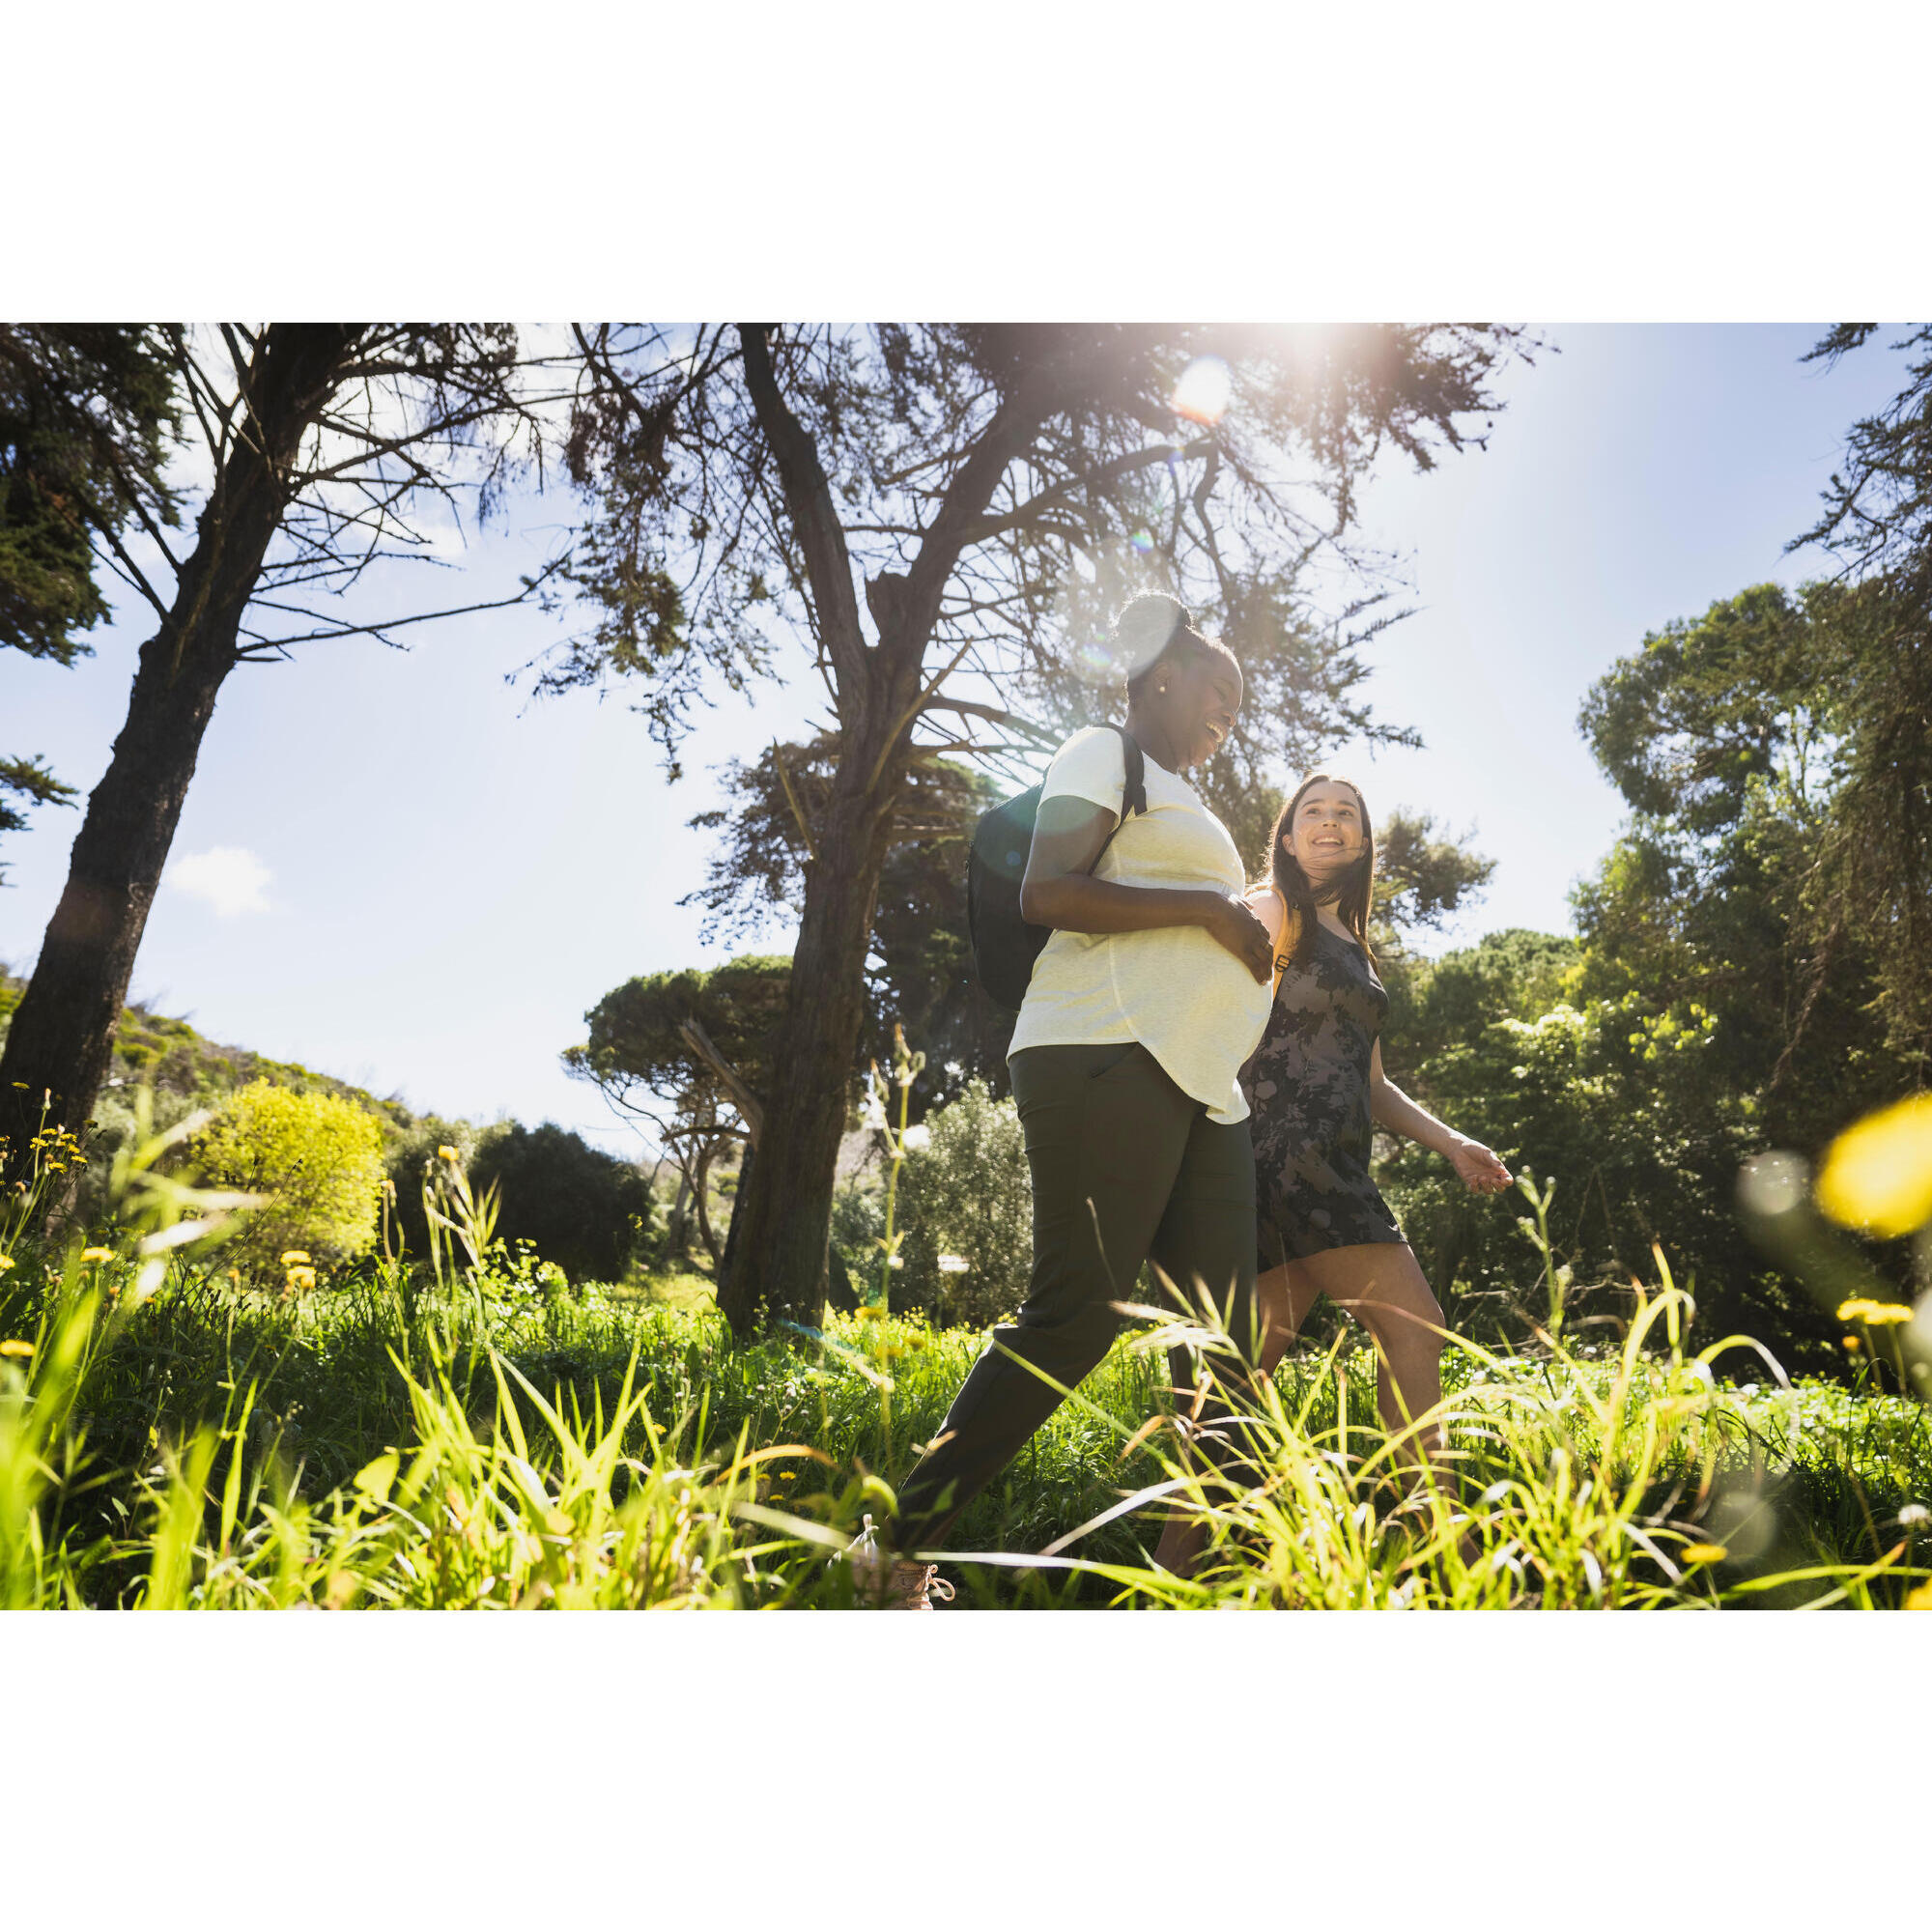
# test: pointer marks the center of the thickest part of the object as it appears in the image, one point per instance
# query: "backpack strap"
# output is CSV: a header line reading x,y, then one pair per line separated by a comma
x,y
1281,938
1133,787
1133,791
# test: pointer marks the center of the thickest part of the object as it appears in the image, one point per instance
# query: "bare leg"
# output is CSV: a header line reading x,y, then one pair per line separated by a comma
x,y
1383,1286
1286,1294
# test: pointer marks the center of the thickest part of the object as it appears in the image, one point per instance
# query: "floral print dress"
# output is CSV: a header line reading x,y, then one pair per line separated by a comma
x,y
1308,1090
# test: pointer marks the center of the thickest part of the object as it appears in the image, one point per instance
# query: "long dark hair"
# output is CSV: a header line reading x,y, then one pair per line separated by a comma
x,y
1349,891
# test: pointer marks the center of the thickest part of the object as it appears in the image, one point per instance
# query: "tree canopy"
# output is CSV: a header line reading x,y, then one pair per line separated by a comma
x,y
944,516
88,414
324,443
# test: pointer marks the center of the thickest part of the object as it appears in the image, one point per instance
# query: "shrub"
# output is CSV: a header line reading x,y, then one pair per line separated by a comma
x,y
585,1210
967,1194
317,1157
409,1162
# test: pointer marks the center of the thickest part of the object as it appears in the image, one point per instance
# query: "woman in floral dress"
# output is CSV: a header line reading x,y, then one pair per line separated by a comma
x,y
1316,1092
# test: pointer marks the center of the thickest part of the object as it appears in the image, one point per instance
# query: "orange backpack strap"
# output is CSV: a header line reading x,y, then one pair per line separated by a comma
x,y
1280,938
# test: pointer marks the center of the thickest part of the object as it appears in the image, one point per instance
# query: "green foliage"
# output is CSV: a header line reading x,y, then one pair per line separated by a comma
x,y
919,972
966,1195
578,1207
636,1048
1617,1099
317,1157
412,1159
490,1453
86,413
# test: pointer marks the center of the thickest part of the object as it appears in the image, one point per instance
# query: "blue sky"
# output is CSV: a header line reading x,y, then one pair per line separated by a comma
x,y
398,868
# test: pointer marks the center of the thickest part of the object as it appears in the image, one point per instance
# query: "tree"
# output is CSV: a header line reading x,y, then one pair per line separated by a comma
x,y
323,440
690,1054
946,513
87,414
919,972
1728,737
1875,861
1714,1006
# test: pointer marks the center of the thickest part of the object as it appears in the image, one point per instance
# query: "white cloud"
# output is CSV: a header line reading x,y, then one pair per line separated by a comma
x,y
229,877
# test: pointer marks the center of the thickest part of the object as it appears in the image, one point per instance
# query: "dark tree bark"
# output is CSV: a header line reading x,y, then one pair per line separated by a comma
x,y
778,1261
63,1032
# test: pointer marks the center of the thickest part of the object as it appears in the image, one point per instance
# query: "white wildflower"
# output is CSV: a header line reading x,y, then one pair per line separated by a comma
x,y
953,1264
918,1139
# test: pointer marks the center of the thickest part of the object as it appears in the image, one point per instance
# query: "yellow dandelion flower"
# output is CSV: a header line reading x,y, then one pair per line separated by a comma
x,y
294,1258
1878,1174
1874,1314
6,1262
300,1277
445,1153
97,1254
1852,1345
1703,1552
19,1349
1919,1599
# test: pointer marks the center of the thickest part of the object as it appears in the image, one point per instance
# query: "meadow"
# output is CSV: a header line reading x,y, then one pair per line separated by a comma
x,y
493,1440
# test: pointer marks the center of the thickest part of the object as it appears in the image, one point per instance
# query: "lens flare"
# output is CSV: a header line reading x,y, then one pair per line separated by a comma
x,y
1202,394
1878,1173
1142,542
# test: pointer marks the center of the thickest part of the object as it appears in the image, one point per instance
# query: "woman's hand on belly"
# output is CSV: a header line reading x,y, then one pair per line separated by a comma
x,y
1232,923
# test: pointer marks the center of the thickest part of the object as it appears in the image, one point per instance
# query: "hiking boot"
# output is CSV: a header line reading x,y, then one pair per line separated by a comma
x,y
882,1581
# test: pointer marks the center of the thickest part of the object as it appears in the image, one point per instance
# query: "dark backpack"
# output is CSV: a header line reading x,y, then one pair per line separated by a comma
x,y
1005,944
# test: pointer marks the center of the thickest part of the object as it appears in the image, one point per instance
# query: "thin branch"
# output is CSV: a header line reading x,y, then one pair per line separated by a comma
x,y
376,629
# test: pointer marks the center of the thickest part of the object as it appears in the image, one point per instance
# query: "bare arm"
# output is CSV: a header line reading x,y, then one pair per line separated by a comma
x,y
1059,890
1390,1107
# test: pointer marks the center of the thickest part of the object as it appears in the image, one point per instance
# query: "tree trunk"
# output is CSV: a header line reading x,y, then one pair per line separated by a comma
x,y
677,1231
700,1192
779,1272
784,1204
62,1032
734,1228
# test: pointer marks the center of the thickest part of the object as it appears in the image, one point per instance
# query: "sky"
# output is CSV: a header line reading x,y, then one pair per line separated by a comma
x,y
400,868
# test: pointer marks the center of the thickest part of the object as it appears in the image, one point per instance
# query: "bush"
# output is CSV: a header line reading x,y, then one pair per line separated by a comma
x,y
585,1210
857,1221
317,1157
967,1194
411,1161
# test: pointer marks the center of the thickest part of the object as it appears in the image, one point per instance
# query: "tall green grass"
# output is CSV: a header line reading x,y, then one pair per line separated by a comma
x,y
473,1438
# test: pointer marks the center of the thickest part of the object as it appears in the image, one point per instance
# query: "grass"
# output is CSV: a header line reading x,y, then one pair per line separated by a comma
x,y
479,1437
207,1448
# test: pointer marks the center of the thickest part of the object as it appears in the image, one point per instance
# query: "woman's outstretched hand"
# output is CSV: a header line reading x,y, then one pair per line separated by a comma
x,y
1479,1170
1237,928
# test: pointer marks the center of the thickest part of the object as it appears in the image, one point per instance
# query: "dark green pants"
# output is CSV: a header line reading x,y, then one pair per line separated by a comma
x,y
1126,1169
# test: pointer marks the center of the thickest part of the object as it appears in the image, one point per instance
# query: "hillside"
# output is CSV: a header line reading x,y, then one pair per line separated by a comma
x,y
169,1055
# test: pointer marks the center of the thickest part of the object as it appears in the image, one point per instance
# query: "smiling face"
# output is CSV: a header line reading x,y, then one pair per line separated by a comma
x,y
1201,702
1329,831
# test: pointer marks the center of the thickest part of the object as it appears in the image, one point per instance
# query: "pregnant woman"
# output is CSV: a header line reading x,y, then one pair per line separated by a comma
x,y
1146,999
1316,1092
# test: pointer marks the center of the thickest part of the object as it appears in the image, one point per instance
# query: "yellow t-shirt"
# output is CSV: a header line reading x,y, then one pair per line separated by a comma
x,y
1178,991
